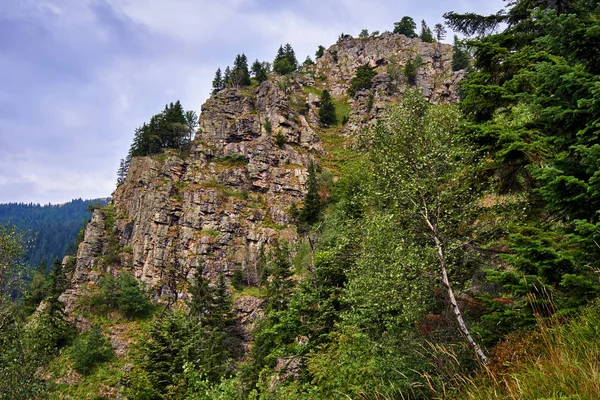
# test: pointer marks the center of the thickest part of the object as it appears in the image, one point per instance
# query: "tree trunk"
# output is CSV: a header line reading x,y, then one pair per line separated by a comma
x,y
459,318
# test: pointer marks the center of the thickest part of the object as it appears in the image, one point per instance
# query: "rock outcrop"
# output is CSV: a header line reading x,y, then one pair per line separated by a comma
x,y
215,205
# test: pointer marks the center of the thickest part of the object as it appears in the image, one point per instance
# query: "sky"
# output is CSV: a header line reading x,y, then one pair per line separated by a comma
x,y
77,76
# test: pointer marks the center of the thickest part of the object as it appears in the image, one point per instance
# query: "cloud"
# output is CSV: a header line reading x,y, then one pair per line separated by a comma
x,y
80,75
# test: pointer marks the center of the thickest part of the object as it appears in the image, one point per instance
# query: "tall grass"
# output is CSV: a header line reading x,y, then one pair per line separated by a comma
x,y
557,361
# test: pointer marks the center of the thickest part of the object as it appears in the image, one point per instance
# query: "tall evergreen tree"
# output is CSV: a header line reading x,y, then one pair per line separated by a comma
x,y
217,83
311,210
285,61
460,57
426,34
259,71
327,115
240,76
440,32
406,27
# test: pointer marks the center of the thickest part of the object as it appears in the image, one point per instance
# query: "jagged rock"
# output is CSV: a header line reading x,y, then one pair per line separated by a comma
x,y
214,207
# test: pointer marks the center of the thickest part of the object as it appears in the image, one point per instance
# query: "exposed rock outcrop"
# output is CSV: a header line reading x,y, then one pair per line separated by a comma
x,y
215,205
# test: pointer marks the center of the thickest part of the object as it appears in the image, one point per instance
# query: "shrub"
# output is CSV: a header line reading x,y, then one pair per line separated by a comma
x,y
237,279
279,139
123,293
327,115
268,126
89,350
411,68
362,79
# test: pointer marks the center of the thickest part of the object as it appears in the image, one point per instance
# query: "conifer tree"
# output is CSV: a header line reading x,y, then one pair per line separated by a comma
x,y
327,115
217,83
260,71
240,76
460,57
285,61
279,286
312,201
426,34
406,27
440,32
319,52
227,77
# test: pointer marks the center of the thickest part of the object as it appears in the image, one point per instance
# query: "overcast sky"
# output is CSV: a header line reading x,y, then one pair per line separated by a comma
x,y
77,76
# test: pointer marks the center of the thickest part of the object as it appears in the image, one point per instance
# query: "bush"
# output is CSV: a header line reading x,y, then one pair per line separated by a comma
x,y
411,68
327,115
123,293
89,350
268,126
279,139
362,79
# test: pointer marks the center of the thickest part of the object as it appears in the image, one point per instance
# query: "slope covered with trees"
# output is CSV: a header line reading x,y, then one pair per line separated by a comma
x,y
51,229
454,254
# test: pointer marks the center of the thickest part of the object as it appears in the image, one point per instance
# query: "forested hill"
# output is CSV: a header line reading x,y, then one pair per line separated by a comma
x,y
52,228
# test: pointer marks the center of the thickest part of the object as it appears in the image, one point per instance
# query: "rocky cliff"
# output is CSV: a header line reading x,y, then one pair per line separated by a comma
x,y
215,205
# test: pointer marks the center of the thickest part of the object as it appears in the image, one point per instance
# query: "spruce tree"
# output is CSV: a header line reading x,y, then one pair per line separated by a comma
x,y
426,34
460,57
327,115
260,71
319,52
240,76
312,201
285,61
217,83
227,77
406,27
440,32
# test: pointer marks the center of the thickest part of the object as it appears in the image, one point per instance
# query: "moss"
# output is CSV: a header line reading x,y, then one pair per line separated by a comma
x,y
232,160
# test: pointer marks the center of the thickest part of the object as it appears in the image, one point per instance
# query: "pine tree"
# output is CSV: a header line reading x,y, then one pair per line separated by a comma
x,y
217,83
279,286
312,201
240,76
260,71
319,52
406,27
440,32
227,77
460,57
426,34
327,115
285,61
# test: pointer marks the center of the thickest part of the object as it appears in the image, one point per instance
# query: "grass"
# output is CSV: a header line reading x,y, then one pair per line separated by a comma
x,y
557,361
312,90
249,291
232,160
214,184
342,109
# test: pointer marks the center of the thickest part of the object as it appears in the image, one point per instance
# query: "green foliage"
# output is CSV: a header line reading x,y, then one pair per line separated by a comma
x,y
319,52
440,32
233,160
426,34
259,70
239,76
311,210
89,350
11,253
327,115
169,129
361,80
49,230
285,61
411,68
280,139
20,359
406,27
237,279
122,293
460,56
363,34
218,83
267,125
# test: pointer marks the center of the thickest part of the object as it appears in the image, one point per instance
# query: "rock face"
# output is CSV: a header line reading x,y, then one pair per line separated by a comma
x,y
214,206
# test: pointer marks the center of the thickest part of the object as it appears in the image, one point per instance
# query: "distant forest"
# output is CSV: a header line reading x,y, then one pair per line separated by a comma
x,y
52,229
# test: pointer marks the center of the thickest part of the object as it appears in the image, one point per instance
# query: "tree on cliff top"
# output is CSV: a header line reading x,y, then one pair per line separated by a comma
x,y
285,61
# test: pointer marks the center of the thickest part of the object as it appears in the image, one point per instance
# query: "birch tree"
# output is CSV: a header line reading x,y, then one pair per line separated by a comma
x,y
425,173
